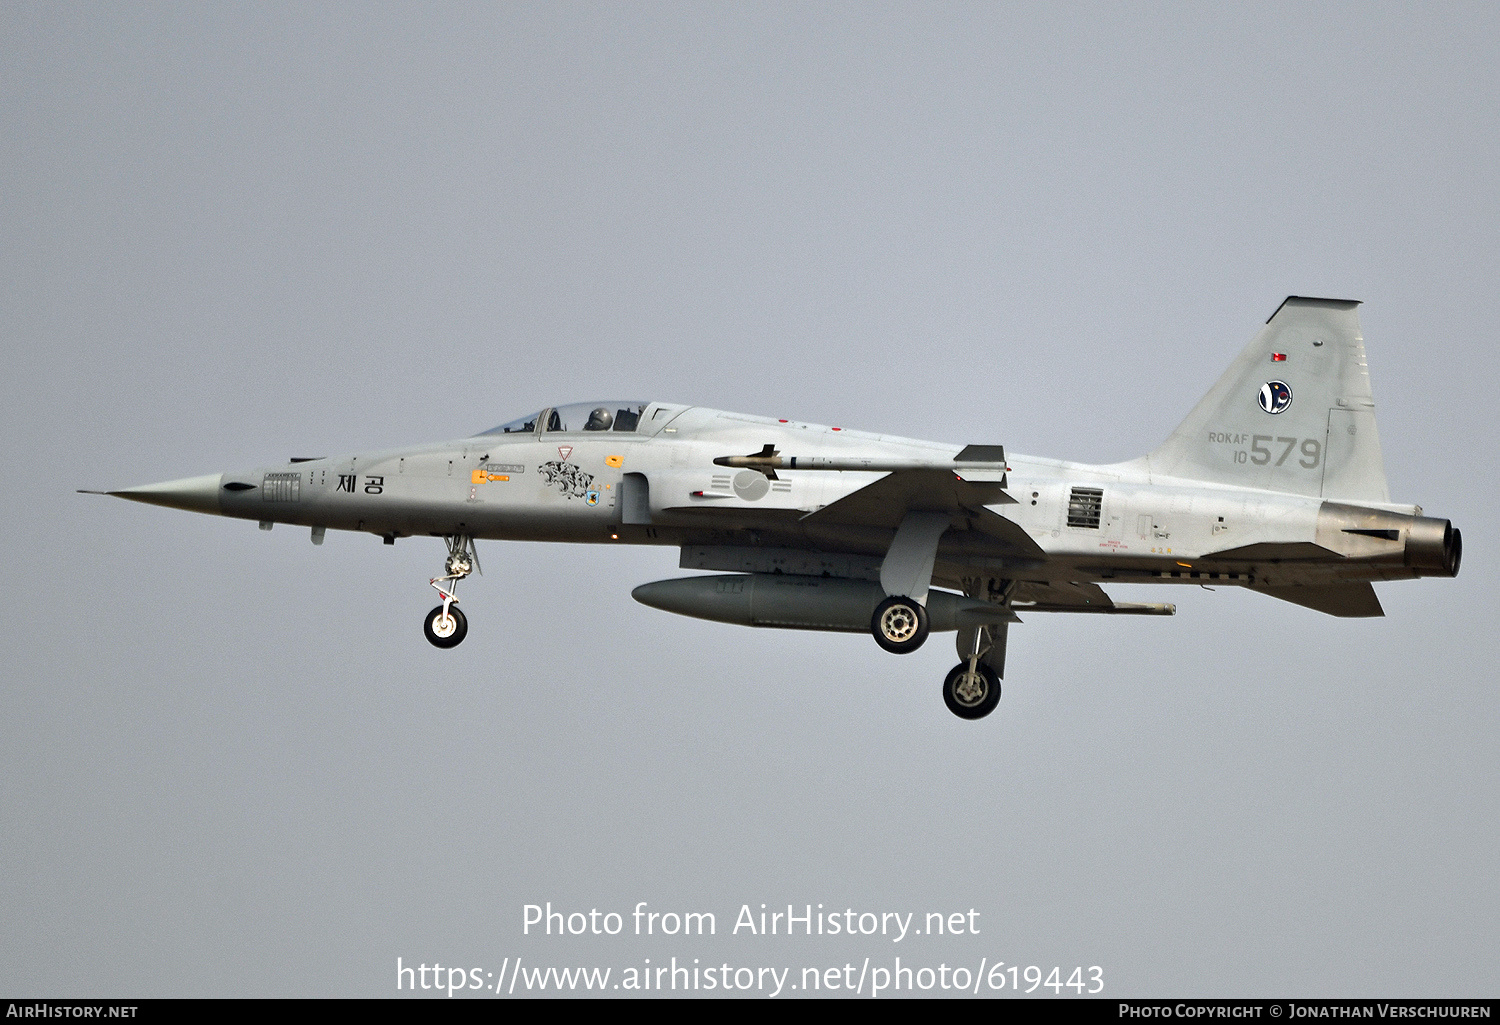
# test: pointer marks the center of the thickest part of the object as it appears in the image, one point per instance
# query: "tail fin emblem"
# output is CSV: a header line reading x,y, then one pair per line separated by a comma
x,y
1275,396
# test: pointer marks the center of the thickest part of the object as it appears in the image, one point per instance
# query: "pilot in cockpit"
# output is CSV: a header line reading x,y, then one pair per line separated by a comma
x,y
599,420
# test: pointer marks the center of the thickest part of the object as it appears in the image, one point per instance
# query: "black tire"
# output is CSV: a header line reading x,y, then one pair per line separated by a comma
x,y
971,699
441,638
899,625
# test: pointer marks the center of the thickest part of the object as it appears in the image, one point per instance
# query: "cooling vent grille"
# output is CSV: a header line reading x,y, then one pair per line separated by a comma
x,y
1083,507
281,487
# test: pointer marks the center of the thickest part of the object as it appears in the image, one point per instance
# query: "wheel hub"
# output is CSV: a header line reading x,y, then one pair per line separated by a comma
x,y
898,624
970,689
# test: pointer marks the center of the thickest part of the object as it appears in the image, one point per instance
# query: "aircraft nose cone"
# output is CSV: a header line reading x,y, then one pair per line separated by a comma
x,y
195,494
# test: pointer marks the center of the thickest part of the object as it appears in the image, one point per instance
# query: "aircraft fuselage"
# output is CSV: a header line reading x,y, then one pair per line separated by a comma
x,y
660,486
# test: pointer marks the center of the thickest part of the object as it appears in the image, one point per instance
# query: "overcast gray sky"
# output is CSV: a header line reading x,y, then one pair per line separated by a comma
x,y
230,234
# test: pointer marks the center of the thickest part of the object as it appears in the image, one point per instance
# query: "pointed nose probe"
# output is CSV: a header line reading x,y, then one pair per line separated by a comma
x,y
195,494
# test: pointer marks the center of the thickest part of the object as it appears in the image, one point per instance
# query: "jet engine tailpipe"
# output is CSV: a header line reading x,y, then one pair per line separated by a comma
x,y
1433,547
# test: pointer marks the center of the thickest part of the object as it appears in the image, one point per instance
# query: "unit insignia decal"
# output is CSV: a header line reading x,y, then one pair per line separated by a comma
x,y
1275,396
570,479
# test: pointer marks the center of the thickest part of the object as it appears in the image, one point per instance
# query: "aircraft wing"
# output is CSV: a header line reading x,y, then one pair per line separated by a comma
x,y
886,502
1009,531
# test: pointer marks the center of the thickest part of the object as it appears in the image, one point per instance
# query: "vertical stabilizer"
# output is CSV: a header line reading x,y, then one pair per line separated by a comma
x,y
1293,413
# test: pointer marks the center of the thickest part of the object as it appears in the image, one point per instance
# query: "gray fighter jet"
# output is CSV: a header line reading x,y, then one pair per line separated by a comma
x,y
1273,482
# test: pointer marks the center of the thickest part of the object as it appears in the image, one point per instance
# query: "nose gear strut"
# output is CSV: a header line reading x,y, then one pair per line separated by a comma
x,y
446,625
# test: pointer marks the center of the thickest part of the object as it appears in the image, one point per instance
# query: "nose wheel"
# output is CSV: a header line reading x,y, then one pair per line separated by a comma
x,y
446,626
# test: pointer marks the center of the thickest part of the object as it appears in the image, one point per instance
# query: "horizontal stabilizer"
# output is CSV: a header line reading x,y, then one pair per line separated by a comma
x,y
1348,601
1275,551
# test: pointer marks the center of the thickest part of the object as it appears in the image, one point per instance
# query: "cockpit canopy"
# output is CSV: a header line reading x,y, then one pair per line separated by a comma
x,y
614,415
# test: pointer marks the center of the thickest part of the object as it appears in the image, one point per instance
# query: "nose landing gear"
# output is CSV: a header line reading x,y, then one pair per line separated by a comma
x,y
446,626
446,629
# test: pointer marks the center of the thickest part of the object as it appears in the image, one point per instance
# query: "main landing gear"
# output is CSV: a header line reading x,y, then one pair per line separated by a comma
x,y
972,690
445,625
899,624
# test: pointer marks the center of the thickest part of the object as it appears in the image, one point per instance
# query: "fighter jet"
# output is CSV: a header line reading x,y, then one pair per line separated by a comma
x,y
1274,482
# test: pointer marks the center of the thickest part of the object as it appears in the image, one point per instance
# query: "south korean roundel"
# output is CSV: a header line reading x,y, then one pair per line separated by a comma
x,y
1275,396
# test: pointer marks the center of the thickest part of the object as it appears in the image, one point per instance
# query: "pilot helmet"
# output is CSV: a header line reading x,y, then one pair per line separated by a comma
x,y
599,420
